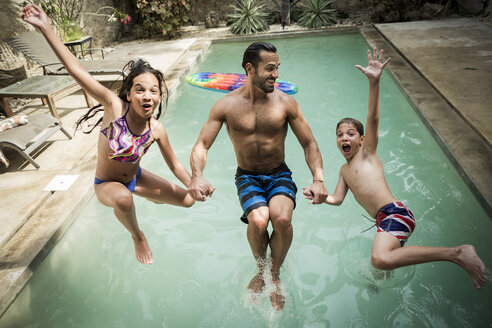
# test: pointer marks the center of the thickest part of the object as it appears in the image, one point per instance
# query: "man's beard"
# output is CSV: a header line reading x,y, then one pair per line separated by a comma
x,y
260,83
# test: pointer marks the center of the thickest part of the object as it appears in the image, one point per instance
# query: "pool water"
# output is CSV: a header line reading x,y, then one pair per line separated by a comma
x,y
202,260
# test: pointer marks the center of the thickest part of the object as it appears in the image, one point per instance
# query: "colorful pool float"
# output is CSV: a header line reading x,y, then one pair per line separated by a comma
x,y
227,82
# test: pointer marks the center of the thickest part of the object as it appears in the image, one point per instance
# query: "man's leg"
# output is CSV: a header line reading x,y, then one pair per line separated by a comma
x,y
258,241
387,254
281,208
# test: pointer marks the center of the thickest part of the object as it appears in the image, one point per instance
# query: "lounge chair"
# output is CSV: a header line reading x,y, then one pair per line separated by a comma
x,y
26,138
34,46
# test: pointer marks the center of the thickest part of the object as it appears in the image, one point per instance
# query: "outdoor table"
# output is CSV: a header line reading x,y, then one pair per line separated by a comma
x,y
49,88
80,42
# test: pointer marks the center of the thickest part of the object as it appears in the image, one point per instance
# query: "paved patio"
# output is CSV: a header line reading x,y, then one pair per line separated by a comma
x,y
451,94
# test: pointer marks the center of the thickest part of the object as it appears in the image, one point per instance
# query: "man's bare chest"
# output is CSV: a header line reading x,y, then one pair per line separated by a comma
x,y
257,121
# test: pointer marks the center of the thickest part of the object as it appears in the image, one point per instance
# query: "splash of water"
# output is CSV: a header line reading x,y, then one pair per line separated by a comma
x,y
259,302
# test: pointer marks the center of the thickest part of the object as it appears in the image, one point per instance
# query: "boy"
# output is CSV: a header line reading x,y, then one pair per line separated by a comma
x,y
363,175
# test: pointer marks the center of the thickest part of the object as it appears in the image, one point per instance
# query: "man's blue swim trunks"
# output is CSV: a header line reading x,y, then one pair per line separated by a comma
x,y
130,185
255,189
396,219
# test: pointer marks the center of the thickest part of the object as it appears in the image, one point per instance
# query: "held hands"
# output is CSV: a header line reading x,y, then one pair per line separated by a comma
x,y
375,67
200,188
35,16
316,192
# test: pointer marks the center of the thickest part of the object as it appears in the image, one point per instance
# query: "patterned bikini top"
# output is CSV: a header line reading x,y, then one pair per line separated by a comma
x,y
126,146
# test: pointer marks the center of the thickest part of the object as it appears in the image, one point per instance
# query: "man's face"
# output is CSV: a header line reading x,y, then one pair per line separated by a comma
x,y
267,71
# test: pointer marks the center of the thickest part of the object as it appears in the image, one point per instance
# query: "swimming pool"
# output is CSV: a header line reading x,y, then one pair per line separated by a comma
x,y
202,259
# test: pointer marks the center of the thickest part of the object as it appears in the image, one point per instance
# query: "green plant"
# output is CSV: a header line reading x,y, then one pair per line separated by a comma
x,y
63,12
163,16
316,14
248,17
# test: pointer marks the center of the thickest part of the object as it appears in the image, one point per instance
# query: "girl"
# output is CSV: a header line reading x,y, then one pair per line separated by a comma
x,y
129,128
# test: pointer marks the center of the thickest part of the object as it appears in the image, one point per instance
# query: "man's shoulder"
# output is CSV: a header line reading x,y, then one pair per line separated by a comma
x,y
232,98
283,97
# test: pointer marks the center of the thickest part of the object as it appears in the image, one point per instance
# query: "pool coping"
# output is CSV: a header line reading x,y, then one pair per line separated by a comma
x,y
22,254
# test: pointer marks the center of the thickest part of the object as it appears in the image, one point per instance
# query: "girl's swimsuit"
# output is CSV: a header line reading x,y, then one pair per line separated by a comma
x,y
126,146
130,185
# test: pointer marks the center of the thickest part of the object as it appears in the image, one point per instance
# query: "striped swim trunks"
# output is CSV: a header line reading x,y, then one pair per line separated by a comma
x,y
396,219
255,189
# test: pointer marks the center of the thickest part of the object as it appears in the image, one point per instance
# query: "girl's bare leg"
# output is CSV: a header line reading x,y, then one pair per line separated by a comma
x,y
160,190
117,196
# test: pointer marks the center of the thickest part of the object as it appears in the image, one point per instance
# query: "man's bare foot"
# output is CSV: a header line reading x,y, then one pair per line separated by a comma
x,y
277,298
468,259
257,283
142,249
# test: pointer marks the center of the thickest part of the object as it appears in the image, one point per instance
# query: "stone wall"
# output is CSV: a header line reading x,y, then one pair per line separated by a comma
x,y
13,65
200,9
103,32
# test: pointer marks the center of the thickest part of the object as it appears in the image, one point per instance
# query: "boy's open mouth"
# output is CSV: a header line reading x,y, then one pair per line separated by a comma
x,y
346,148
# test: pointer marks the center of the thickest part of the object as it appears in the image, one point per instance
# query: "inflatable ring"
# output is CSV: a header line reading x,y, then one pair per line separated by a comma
x,y
227,82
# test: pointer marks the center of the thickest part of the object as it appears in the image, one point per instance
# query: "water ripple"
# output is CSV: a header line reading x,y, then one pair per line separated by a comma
x,y
355,258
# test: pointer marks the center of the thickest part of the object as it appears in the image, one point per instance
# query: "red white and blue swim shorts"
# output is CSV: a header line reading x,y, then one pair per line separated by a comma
x,y
396,219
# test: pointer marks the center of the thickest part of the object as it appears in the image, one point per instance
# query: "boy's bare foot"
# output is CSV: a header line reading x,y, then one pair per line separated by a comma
x,y
468,259
142,249
257,283
277,298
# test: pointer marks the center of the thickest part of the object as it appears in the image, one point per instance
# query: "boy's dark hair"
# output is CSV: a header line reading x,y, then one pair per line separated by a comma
x,y
358,125
252,53
132,69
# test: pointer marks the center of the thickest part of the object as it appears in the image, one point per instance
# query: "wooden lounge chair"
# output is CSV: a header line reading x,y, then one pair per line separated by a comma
x,y
26,138
34,46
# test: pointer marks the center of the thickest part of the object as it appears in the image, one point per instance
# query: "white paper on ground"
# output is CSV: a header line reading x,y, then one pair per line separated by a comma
x,y
61,182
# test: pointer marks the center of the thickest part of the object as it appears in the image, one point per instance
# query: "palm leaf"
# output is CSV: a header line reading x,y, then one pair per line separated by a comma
x,y
316,14
247,17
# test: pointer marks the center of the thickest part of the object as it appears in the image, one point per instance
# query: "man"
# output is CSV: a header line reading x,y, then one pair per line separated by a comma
x,y
257,117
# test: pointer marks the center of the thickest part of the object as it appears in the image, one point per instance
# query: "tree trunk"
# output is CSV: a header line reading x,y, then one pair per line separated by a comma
x,y
285,13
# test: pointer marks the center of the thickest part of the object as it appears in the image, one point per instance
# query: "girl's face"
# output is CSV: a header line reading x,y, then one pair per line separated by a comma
x,y
145,95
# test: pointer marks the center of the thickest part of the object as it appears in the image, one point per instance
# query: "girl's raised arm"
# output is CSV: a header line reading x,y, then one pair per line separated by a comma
x,y
35,16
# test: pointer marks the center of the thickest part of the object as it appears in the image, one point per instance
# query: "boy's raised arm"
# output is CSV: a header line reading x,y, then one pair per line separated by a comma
x,y
373,72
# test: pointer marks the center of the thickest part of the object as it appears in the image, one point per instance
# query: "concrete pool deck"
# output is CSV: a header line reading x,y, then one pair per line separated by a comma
x,y
444,67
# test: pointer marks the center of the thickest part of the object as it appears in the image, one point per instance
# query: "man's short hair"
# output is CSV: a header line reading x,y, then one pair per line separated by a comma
x,y
358,125
252,53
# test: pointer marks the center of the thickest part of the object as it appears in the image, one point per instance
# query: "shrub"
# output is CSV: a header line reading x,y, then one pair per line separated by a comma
x,y
162,16
248,17
316,14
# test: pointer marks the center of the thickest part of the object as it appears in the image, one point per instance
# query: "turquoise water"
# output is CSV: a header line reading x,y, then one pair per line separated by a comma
x,y
202,259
